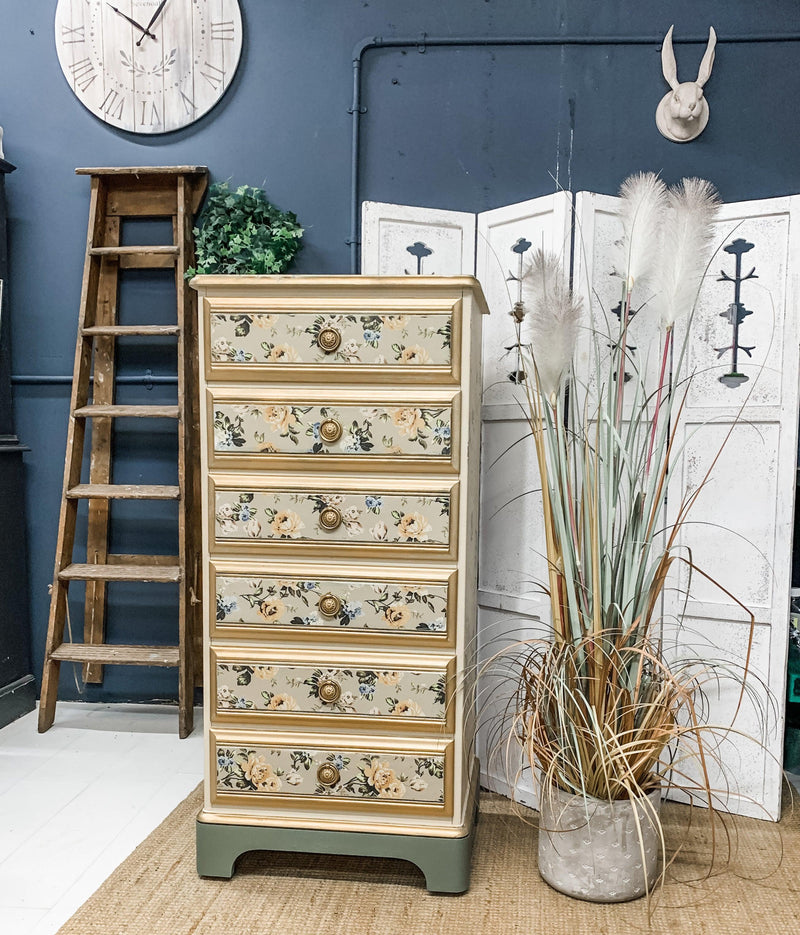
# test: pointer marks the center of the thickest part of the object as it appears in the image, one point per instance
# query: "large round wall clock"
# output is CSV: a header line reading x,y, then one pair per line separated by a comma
x,y
149,66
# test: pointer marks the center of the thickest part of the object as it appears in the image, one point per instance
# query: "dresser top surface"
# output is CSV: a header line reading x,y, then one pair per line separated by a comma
x,y
408,286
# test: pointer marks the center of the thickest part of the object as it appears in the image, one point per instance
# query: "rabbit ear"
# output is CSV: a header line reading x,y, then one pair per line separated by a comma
x,y
668,63
708,59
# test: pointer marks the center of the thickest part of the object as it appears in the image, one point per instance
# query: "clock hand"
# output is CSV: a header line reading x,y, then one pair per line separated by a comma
x,y
133,22
153,18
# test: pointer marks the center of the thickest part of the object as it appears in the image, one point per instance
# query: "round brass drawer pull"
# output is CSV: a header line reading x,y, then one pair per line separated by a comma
x,y
329,691
327,775
329,339
330,605
330,430
330,518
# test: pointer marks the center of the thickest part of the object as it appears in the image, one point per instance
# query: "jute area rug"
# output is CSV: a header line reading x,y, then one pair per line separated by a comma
x,y
156,891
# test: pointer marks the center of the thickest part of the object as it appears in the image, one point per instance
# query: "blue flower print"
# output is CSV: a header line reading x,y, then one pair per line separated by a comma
x,y
372,337
442,432
240,357
352,609
373,504
244,513
224,759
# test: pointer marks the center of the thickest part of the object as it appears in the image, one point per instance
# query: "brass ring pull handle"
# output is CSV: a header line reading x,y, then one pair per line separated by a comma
x,y
330,430
329,339
327,775
330,518
330,605
329,691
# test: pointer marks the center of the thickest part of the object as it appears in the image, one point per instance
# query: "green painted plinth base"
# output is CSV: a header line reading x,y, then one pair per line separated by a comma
x,y
444,861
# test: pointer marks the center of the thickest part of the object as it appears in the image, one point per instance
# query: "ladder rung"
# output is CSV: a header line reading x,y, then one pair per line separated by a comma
x,y
152,250
121,330
138,412
167,574
115,558
124,492
117,655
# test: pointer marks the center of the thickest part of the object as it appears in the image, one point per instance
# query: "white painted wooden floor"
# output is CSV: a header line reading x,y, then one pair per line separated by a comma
x,y
75,801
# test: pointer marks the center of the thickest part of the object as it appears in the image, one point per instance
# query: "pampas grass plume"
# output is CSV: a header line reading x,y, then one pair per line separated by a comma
x,y
691,208
643,202
553,319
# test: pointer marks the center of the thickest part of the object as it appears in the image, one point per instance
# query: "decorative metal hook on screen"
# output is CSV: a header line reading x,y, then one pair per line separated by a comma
x,y
520,247
736,313
420,251
630,349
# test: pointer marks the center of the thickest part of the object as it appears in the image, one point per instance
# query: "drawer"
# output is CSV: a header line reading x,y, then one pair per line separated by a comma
x,y
388,517
384,341
396,605
338,429
348,774
273,686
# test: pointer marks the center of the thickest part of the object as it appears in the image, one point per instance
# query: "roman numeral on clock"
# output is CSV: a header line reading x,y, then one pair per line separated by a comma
x,y
213,75
83,73
70,36
223,31
150,110
188,104
113,105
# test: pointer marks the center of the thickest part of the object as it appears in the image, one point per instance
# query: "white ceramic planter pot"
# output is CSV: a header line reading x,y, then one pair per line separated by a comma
x,y
593,849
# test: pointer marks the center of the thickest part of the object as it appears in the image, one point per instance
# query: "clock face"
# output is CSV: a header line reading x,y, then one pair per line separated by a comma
x,y
149,66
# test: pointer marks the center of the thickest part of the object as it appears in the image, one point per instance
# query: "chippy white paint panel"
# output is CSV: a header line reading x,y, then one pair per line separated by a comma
x,y
507,238
401,240
744,400
597,230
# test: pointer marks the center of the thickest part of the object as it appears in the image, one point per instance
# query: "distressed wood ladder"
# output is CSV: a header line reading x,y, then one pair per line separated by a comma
x,y
168,192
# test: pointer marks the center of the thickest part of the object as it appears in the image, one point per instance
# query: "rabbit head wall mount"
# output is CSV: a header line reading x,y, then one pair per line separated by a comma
x,y
682,114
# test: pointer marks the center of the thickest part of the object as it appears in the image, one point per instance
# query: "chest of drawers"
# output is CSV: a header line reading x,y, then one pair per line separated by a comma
x,y
340,432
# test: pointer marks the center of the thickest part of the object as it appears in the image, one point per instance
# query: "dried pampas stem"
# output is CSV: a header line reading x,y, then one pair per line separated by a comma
x,y
691,207
551,326
643,201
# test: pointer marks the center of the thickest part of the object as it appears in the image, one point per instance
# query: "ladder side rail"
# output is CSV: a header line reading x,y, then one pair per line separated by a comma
x,y
103,392
76,430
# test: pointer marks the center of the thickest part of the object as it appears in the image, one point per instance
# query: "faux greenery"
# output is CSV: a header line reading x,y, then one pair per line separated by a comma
x,y
601,712
242,232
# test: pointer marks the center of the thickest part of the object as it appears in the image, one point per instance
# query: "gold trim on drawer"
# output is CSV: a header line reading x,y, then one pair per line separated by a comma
x,y
381,517
378,774
340,428
285,687
383,339
408,606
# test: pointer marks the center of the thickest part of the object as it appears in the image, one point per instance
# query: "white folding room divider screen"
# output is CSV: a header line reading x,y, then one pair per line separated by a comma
x,y
740,529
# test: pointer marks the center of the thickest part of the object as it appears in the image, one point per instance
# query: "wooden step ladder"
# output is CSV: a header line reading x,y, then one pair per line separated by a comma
x,y
119,193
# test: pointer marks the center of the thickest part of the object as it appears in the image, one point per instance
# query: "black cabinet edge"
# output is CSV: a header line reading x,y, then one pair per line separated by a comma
x,y
16,699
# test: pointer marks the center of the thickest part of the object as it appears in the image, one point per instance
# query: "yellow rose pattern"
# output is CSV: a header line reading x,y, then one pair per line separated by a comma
x,y
366,605
374,777
365,693
288,338
390,519
400,432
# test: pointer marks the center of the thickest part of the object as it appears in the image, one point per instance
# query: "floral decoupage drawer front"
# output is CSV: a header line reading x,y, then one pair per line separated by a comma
x,y
246,687
368,777
280,340
310,603
266,431
376,518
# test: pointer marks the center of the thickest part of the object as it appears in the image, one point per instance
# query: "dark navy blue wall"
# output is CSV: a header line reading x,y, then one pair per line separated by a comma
x,y
463,128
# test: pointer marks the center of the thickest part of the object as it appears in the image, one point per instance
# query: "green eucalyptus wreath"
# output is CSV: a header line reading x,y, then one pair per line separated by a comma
x,y
242,232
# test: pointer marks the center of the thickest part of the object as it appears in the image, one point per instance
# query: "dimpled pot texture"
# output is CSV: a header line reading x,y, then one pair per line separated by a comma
x,y
597,850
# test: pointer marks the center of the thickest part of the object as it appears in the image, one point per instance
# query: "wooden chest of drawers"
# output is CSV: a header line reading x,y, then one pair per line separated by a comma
x,y
340,426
